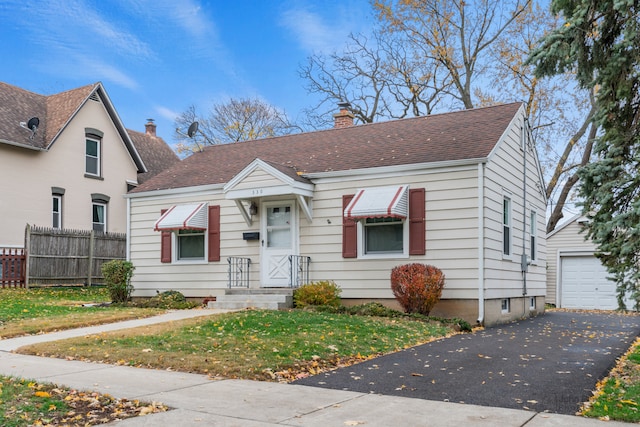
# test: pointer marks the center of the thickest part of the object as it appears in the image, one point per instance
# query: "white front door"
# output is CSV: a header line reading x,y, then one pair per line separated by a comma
x,y
279,240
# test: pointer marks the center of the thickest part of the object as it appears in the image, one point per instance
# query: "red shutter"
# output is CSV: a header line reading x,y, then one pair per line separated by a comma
x,y
165,244
214,233
417,221
349,232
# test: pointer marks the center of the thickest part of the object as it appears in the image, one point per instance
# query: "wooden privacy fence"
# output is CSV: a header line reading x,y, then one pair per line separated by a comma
x,y
58,256
12,268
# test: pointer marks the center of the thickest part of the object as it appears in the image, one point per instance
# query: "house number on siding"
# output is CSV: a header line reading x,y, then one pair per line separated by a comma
x,y
256,192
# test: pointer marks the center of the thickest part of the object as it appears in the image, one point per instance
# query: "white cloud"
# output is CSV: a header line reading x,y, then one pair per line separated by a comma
x,y
325,29
78,25
166,113
312,33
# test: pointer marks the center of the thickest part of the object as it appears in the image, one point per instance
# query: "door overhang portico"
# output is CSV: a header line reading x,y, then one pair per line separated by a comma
x,y
263,180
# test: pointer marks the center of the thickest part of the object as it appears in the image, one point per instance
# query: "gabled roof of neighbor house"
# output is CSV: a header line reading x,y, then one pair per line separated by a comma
x,y
54,113
463,135
155,152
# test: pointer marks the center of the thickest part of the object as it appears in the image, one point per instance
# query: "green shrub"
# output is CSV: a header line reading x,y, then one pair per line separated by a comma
x,y
117,275
324,292
417,287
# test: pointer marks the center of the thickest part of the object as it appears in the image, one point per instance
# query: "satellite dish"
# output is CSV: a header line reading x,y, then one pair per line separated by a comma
x,y
193,128
33,124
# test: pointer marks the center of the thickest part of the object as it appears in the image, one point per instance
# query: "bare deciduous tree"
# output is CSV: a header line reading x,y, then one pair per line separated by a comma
x,y
233,121
443,54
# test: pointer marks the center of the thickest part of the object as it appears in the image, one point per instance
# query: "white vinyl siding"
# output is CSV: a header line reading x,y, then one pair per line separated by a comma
x,y
503,178
451,236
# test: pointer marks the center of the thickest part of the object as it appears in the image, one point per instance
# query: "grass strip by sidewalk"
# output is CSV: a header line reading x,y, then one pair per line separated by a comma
x,y
617,397
39,310
253,344
28,403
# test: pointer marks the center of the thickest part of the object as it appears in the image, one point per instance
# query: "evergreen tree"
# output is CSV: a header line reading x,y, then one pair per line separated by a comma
x,y
600,42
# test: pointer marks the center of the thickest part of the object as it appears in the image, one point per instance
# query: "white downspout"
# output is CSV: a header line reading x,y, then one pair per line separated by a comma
x,y
480,243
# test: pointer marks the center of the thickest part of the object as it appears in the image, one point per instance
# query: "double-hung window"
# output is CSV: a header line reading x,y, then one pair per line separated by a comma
x,y
99,203
99,217
533,228
506,226
56,206
93,152
92,157
56,211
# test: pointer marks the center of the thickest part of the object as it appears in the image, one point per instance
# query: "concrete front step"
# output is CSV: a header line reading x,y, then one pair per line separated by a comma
x,y
270,299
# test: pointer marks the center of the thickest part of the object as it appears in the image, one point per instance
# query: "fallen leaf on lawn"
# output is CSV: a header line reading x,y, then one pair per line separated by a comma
x,y
413,374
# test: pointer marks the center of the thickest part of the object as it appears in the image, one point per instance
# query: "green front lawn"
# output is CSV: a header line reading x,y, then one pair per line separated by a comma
x,y
252,344
37,310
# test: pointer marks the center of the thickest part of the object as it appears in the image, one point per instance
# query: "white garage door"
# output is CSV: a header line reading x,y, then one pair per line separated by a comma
x,y
584,284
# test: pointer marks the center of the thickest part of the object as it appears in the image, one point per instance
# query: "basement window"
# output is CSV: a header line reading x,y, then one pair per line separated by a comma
x,y
505,305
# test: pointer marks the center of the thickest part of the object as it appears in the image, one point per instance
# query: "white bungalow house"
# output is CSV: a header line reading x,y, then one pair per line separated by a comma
x,y
461,191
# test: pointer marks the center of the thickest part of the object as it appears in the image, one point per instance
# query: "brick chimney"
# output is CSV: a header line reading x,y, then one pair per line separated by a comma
x,y
345,117
150,128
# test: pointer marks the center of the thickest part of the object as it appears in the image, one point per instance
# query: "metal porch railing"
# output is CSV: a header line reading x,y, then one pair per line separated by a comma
x,y
238,272
299,270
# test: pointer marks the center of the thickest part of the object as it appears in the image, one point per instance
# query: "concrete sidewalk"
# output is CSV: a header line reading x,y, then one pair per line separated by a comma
x,y
199,401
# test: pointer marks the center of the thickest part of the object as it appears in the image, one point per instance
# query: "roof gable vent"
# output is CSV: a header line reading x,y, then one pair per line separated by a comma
x,y
94,97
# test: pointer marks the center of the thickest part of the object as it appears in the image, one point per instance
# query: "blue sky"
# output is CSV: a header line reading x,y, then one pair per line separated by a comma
x,y
158,57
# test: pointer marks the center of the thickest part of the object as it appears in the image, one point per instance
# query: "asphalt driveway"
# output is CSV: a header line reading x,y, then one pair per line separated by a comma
x,y
548,363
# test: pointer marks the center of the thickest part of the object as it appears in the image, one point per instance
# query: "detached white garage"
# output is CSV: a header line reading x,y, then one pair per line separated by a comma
x,y
575,277
584,283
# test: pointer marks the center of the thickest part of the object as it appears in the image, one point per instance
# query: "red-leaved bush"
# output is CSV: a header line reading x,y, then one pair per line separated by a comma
x,y
417,287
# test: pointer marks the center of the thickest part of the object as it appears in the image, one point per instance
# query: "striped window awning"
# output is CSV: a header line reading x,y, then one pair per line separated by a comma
x,y
379,202
183,217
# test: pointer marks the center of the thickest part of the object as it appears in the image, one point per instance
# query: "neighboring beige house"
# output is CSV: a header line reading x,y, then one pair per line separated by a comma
x,y
575,277
461,191
66,161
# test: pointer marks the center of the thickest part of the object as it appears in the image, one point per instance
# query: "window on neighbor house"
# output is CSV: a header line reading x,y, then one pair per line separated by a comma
x,y
533,233
506,226
190,244
383,235
99,204
99,217
56,211
93,150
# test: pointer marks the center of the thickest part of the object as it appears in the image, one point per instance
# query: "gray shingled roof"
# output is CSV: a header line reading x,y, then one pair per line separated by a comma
x,y
468,134
54,112
155,153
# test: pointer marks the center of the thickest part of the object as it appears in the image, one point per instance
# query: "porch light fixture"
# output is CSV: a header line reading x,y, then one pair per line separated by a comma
x,y
253,208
